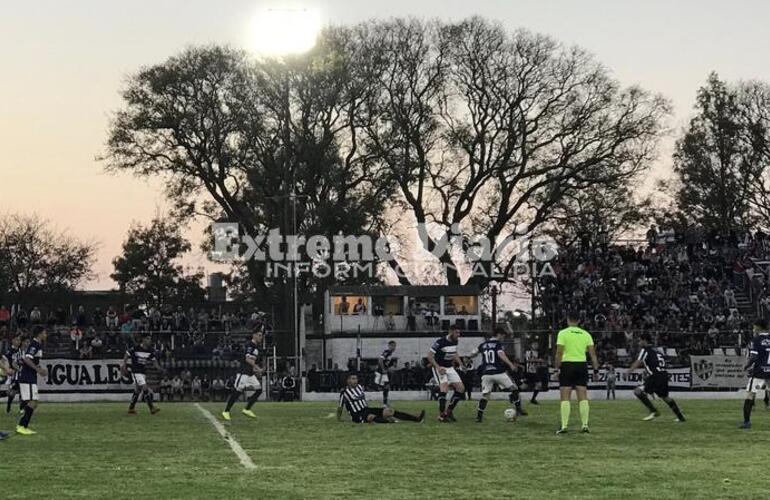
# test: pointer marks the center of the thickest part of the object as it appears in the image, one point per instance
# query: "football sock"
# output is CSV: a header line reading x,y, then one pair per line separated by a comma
x,y
24,420
747,406
134,399
767,399
10,401
646,402
566,408
482,406
442,402
253,399
515,399
534,395
675,408
234,395
385,396
148,398
456,397
584,411
405,416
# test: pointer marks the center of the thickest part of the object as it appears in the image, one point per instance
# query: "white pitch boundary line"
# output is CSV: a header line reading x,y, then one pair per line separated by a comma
x,y
239,452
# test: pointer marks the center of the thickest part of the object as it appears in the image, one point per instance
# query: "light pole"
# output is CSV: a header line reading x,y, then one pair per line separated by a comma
x,y
278,33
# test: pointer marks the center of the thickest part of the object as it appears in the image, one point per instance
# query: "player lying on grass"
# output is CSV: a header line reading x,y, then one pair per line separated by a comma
x,y
657,378
353,399
494,362
758,368
140,355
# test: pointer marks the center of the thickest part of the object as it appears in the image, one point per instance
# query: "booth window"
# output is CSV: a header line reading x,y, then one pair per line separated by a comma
x,y
385,305
461,305
343,305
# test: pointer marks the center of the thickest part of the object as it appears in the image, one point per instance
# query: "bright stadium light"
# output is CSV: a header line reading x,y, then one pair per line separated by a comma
x,y
277,32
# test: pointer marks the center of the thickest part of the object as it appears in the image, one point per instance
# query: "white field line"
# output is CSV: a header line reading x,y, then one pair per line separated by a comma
x,y
239,452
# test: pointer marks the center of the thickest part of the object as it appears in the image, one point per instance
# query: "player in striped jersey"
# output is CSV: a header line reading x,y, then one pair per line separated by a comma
x,y
384,365
11,363
656,381
139,356
443,357
353,399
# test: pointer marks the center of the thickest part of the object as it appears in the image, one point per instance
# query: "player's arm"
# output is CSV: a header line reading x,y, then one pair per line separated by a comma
x,y
432,362
559,356
39,369
5,366
124,364
752,359
340,406
638,361
381,364
594,358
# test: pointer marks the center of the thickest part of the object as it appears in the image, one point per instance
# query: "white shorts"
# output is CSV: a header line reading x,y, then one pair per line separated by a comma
x,y
245,382
381,378
28,392
139,379
501,380
450,376
756,385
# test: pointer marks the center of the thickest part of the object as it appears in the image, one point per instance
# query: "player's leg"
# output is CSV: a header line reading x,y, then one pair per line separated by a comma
x,y
641,394
135,396
28,394
385,392
753,386
487,384
565,408
443,387
583,405
662,391
400,415
235,394
11,394
257,388
767,399
515,399
459,391
149,398
674,408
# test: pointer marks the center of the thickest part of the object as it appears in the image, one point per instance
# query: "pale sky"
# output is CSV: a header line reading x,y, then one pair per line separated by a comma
x,y
62,63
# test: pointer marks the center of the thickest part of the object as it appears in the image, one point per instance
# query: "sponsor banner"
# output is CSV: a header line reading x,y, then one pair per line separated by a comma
x,y
84,376
678,378
718,371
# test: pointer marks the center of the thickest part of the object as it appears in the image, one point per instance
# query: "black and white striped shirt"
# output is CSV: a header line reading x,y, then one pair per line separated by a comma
x,y
354,400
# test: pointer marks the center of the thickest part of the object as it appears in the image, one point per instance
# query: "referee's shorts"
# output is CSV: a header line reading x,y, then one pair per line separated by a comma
x,y
573,374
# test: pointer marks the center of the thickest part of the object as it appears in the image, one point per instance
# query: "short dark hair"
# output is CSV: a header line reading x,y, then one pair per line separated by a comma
x,y
454,327
350,374
572,315
761,323
646,337
37,330
392,342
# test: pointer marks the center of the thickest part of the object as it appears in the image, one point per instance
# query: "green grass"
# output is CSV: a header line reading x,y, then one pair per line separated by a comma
x,y
96,451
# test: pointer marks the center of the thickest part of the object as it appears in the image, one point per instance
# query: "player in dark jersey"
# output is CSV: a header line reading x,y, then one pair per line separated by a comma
x,y
353,399
11,362
384,365
656,381
248,377
758,368
140,356
443,358
494,363
28,378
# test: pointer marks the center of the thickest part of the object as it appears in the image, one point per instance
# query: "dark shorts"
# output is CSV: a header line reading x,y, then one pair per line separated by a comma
x,y
657,384
362,416
573,374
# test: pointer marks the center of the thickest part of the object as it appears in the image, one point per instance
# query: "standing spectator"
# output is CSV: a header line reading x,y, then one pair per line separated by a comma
x,y
187,382
217,389
35,316
196,389
612,377
21,318
80,319
359,308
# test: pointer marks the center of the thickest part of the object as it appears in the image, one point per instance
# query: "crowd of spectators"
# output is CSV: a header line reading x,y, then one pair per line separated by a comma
x,y
684,288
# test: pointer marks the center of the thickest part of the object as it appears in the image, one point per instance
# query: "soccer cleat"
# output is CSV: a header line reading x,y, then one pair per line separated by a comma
x,y
248,413
745,425
4,435
479,420
521,413
585,430
442,418
154,411
421,417
680,420
533,402
226,415
561,431
651,416
450,417
24,431
132,412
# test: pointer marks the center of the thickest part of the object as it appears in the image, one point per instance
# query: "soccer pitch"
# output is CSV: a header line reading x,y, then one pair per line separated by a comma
x,y
97,451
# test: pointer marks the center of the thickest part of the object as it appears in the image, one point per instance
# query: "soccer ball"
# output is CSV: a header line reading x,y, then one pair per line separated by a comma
x,y
510,415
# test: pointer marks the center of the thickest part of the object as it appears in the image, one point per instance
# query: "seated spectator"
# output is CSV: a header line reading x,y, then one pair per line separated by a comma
x,y
217,389
166,389
177,388
205,387
36,316
196,389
